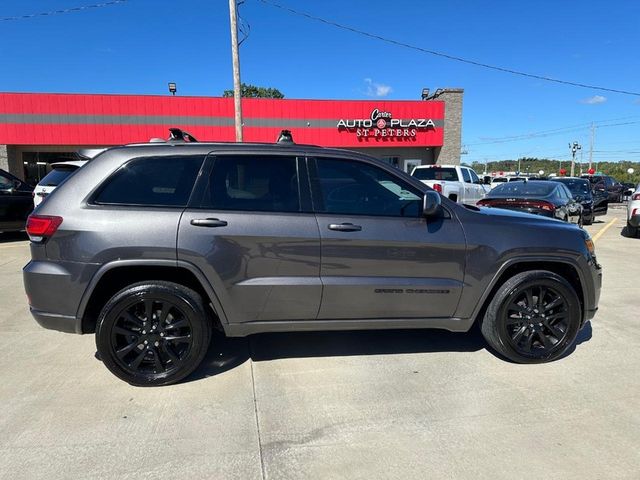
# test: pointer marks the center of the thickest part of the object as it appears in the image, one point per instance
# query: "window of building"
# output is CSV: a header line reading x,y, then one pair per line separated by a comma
x,y
356,188
152,181
253,183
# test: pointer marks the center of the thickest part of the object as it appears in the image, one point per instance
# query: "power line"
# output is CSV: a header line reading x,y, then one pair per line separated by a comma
x,y
444,55
63,11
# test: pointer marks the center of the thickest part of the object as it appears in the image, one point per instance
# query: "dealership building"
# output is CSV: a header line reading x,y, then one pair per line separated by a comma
x,y
40,128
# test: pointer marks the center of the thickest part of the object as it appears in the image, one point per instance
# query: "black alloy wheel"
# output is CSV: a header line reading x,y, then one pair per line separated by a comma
x,y
153,333
151,336
537,321
534,317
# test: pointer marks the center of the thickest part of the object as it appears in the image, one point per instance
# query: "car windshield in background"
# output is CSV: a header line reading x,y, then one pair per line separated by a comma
x,y
56,176
577,187
523,189
499,180
446,174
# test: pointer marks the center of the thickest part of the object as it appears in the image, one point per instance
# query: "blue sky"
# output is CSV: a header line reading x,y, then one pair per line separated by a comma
x,y
140,45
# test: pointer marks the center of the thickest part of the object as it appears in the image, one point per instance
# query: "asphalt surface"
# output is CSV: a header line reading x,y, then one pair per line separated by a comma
x,y
363,405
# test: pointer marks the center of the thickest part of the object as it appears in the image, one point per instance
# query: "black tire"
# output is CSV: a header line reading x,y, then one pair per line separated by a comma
x,y
510,324
632,231
588,221
160,352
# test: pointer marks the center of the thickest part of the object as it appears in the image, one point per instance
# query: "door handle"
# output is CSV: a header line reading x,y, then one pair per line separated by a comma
x,y
345,227
208,222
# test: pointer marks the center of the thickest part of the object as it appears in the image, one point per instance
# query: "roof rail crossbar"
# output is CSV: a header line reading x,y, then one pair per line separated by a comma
x,y
177,135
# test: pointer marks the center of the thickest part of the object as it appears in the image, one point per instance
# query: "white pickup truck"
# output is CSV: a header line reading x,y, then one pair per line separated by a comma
x,y
460,184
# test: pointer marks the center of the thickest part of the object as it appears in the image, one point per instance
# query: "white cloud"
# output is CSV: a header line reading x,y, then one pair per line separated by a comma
x,y
596,99
375,89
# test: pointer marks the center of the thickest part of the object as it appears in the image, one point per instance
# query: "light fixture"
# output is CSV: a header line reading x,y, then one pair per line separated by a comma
x,y
172,88
425,93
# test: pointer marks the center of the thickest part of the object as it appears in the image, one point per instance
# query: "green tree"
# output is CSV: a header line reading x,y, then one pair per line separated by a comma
x,y
251,91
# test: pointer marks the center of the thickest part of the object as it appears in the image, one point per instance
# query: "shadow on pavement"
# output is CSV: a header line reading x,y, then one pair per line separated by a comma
x,y
13,237
227,353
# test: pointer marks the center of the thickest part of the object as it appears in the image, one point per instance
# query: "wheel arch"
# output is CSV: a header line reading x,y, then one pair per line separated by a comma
x,y
114,276
562,267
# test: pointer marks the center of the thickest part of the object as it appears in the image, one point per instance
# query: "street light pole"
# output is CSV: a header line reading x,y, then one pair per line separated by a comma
x,y
575,146
237,101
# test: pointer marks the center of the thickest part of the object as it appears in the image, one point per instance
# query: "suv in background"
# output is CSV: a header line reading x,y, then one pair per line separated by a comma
x,y
608,184
458,183
15,202
152,246
59,173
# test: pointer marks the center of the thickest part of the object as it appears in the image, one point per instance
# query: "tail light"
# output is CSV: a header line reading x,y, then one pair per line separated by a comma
x,y
483,203
41,227
437,187
549,207
636,196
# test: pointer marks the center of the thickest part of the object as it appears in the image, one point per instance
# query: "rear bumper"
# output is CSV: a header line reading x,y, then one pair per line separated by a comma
x,y
55,290
634,220
52,321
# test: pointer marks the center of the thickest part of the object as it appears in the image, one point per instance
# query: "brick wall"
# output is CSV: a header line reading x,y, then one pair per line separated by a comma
x,y
450,151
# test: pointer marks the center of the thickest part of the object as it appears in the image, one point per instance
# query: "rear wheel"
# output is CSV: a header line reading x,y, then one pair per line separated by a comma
x,y
153,333
533,318
631,230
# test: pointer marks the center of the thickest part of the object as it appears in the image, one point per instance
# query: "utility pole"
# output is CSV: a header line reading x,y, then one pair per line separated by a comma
x,y
237,101
593,136
575,146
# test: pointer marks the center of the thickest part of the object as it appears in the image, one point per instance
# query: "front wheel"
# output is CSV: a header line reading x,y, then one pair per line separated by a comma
x,y
153,333
533,318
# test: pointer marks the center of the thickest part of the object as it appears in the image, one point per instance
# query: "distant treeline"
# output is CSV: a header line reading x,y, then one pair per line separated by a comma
x,y
618,170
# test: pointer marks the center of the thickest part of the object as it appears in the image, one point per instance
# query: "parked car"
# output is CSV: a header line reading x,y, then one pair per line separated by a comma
x,y
15,202
633,213
59,173
458,183
541,197
614,189
498,181
629,188
152,247
593,203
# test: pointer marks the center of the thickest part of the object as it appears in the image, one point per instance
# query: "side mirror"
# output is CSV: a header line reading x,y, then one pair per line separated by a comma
x,y
431,203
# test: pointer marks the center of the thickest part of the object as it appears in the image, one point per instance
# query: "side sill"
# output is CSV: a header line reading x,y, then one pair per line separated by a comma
x,y
249,328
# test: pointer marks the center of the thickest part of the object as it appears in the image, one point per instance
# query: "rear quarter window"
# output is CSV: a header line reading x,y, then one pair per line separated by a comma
x,y
165,181
56,176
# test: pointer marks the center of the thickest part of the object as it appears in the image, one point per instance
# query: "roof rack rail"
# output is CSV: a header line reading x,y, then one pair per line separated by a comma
x,y
89,153
285,137
177,135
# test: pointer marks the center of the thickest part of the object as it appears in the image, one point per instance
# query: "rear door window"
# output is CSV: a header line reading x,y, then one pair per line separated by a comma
x,y
165,181
258,183
465,175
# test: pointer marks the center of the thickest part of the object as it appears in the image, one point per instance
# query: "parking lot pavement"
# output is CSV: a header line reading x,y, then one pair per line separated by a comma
x,y
399,404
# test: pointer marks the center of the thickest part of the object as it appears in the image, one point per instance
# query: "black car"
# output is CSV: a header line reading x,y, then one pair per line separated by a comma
x,y
594,203
605,183
16,202
549,199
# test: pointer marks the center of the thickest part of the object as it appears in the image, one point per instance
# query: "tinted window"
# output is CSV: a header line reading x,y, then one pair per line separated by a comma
x,y
465,175
576,187
499,180
355,188
436,173
474,177
5,183
56,176
532,189
154,181
253,183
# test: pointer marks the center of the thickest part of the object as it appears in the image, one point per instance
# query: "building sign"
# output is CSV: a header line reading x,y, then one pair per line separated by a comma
x,y
381,124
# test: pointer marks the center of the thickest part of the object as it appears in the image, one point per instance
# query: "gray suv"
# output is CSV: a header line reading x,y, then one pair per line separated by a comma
x,y
152,246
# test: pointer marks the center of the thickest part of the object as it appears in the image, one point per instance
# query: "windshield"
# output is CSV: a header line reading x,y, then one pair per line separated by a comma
x,y
446,174
56,176
577,187
499,180
523,189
